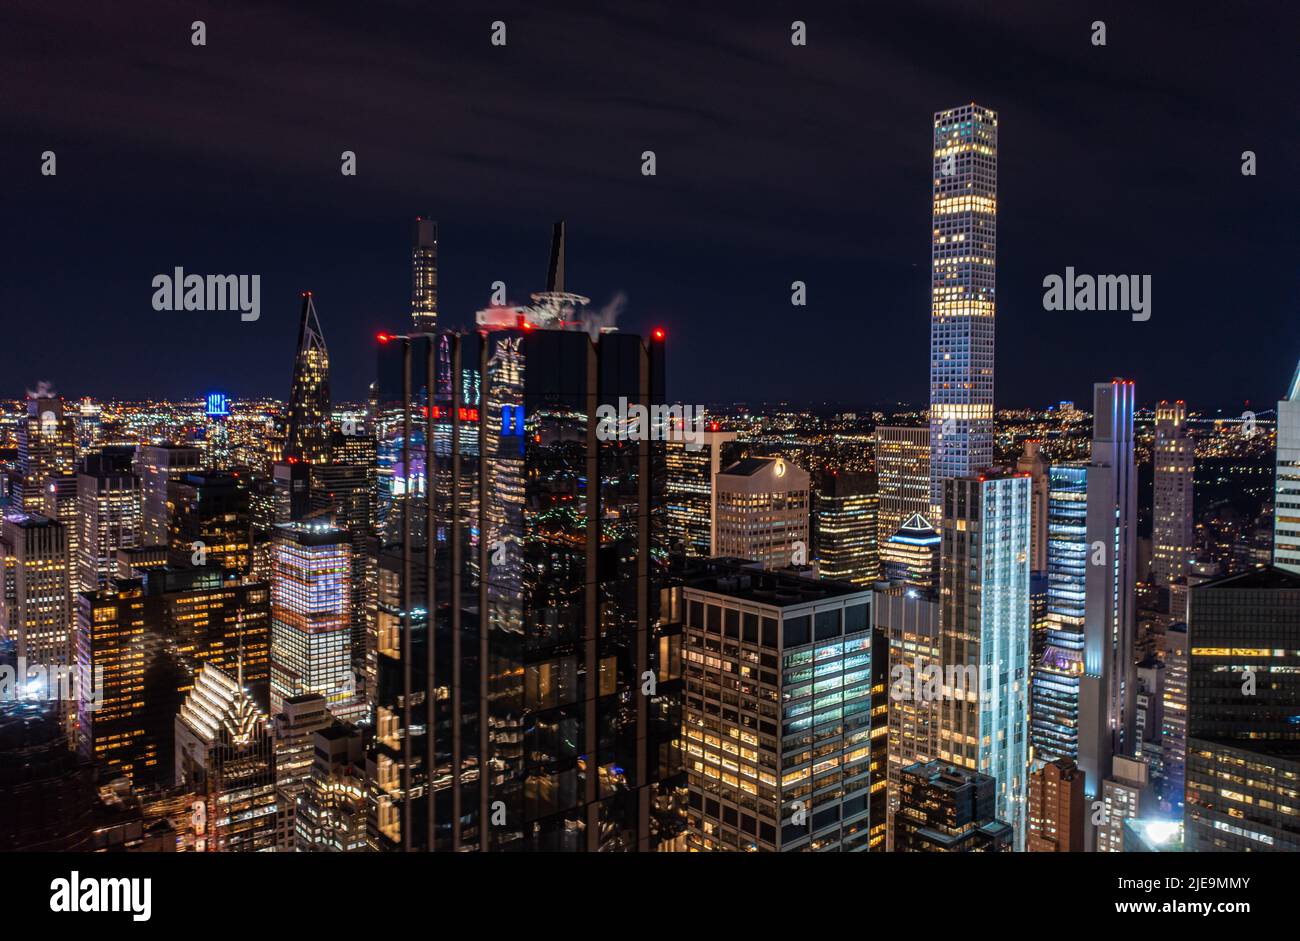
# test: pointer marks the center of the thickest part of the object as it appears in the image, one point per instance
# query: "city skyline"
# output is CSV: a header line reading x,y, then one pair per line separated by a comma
x,y
744,203
467,568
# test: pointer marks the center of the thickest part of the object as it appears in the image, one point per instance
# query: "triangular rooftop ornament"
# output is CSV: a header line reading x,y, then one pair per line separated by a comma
x,y
916,522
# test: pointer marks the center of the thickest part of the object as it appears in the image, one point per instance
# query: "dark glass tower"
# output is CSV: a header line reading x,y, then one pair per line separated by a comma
x,y
556,715
308,432
1243,735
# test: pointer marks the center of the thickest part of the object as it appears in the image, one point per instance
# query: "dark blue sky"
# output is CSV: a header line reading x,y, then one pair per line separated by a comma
x,y
775,163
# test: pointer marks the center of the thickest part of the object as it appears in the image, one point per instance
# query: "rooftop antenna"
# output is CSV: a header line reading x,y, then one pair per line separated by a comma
x,y
555,307
555,274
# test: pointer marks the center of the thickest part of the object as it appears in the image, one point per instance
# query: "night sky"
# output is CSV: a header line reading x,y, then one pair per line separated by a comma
x,y
775,163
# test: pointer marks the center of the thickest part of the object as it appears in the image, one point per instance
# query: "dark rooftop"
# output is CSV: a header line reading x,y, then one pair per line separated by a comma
x,y
1267,577
748,581
747,467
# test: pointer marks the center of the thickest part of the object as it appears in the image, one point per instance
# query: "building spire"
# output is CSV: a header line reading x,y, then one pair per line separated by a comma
x,y
555,274
308,436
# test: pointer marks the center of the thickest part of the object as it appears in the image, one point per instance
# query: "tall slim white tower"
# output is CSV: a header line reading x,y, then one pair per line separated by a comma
x,y
1173,526
1286,492
963,269
1106,689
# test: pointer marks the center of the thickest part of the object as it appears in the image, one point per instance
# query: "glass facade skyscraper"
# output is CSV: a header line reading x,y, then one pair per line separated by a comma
x,y
984,622
311,616
846,517
1056,680
902,456
1242,766
963,287
1107,687
556,630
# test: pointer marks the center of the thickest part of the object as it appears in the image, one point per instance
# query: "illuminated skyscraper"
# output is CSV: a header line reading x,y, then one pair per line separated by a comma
x,y
762,512
1172,523
424,276
1173,735
1110,616
218,449
294,729
47,447
143,640
911,555
963,290
1148,713
690,490
1125,795
847,548
157,466
308,433
210,522
902,475
1286,494
1060,666
331,814
311,621
34,610
225,753
345,495
120,730
984,620
62,504
88,426
111,514
909,620
753,771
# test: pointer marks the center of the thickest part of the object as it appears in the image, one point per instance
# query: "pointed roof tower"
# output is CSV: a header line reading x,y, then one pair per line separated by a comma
x,y
218,706
308,434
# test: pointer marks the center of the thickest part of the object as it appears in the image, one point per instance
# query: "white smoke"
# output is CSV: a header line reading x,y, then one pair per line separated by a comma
x,y
607,316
